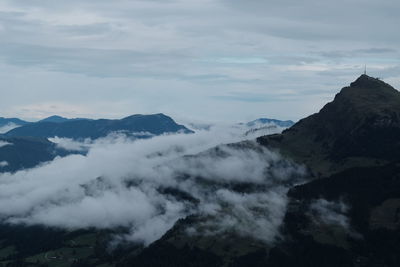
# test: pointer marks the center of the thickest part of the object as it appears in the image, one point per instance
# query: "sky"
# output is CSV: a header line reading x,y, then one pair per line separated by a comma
x,y
198,60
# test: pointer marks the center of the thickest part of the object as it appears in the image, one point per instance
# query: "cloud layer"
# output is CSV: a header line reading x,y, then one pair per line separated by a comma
x,y
145,186
219,59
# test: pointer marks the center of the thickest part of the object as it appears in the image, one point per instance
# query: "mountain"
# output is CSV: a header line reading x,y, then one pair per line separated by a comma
x,y
360,127
265,121
352,145
18,153
7,124
59,119
140,126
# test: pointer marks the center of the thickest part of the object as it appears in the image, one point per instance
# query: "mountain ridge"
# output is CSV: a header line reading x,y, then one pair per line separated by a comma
x,y
154,124
59,119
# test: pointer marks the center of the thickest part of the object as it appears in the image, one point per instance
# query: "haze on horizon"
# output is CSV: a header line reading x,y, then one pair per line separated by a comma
x,y
221,60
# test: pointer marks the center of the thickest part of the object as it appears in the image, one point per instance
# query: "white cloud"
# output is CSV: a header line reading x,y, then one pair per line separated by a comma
x,y
3,164
71,145
139,185
8,127
4,143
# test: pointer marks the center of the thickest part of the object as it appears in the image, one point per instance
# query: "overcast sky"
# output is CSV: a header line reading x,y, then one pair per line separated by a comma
x,y
207,60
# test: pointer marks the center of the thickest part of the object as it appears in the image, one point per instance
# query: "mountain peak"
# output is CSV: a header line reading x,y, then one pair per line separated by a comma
x,y
54,118
59,119
367,94
365,81
361,125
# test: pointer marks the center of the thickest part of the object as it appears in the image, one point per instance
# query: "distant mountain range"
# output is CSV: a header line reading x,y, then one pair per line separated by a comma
x,y
26,146
59,119
140,126
27,139
89,128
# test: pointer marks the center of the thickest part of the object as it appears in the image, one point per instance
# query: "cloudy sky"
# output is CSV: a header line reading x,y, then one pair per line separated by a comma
x,y
219,60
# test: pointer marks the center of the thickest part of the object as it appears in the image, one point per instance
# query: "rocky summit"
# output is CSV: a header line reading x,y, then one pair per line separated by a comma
x,y
360,127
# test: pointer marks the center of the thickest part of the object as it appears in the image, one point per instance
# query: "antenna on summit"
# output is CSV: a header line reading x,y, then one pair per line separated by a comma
x,y
365,69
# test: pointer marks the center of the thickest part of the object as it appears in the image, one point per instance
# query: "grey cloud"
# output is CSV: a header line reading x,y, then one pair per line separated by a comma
x,y
245,98
390,72
87,30
96,62
254,98
194,50
377,50
374,51
331,213
327,21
